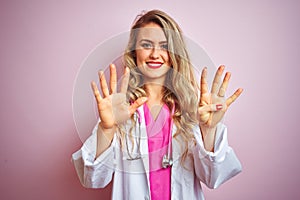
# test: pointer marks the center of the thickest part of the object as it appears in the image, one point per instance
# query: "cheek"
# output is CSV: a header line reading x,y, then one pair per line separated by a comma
x,y
140,56
167,58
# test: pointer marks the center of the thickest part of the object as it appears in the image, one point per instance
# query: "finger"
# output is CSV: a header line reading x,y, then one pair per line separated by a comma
x,y
233,97
103,84
210,108
140,101
113,78
203,82
217,79
96,92
224,85
125,80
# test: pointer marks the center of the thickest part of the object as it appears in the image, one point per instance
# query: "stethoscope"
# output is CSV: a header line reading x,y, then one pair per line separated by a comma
x,y
167,160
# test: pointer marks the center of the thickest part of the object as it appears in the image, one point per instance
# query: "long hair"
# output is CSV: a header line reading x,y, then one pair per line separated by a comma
x,y
180,88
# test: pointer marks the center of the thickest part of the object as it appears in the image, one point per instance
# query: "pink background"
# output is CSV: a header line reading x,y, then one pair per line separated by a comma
x,y
44,43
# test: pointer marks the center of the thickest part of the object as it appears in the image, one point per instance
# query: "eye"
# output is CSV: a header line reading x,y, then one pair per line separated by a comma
x,y
164,46
146,45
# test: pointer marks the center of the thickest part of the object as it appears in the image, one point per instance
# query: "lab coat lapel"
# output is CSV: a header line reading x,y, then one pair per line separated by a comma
x,y
176,152
144,143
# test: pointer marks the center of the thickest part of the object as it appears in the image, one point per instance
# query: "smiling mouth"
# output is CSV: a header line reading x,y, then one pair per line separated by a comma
x,y
154,65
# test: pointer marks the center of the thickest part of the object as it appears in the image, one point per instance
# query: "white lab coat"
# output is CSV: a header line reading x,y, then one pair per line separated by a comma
x,y
131,177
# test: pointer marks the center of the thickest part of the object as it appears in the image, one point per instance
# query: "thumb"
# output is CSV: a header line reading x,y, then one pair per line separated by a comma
x,y
140,101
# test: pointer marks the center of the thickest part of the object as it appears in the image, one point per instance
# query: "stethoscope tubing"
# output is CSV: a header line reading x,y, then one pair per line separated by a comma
x,y
167,158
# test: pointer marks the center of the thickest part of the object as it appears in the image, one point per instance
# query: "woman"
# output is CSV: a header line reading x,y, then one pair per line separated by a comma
x,y
157,136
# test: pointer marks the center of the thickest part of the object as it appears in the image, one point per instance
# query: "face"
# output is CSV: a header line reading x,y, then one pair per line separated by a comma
x,y
152,55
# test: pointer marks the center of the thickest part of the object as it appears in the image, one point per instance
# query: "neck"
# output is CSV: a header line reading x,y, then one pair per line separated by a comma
x,y
154,92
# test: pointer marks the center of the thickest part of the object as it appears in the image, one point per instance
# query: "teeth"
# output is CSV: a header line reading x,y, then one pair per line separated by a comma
x,y
154,64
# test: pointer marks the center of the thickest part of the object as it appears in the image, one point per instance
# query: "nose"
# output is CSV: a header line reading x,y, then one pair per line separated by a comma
x,y
154,53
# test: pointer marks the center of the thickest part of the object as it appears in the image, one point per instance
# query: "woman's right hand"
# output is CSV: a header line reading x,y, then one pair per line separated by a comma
x,y
113,108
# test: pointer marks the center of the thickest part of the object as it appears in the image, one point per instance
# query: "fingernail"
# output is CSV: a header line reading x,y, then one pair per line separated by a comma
x,y
228,75
219,107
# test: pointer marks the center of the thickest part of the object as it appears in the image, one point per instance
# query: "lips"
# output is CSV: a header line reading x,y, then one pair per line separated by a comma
x,y
154,65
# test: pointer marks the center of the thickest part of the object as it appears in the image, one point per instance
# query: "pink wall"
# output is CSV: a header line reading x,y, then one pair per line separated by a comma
x,y
43,44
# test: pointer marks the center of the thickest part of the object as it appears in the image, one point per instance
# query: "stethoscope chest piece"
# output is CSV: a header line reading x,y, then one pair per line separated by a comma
x,y
167,162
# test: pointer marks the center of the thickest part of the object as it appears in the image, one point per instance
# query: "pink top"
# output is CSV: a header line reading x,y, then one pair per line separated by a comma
x,y
158,139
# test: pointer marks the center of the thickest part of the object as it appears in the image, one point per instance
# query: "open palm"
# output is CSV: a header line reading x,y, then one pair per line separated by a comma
x,y
113,107
213,105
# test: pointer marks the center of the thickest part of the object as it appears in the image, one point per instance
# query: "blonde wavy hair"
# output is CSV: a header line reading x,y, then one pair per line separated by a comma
x,y
180,88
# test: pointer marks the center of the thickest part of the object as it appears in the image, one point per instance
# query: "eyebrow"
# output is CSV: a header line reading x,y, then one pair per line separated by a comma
x,y
147,40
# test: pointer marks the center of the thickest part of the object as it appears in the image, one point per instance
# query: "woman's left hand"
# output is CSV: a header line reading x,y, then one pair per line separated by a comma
x,y
213,105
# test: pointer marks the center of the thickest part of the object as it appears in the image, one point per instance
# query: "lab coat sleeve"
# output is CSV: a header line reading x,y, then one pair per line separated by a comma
x,y
214,168
94,173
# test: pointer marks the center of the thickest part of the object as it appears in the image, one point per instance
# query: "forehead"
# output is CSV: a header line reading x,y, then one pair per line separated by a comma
x,y
151,32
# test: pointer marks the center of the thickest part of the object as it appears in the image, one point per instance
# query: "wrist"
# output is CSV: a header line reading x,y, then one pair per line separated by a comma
x,y
208,137
207,130
108,132
105,126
